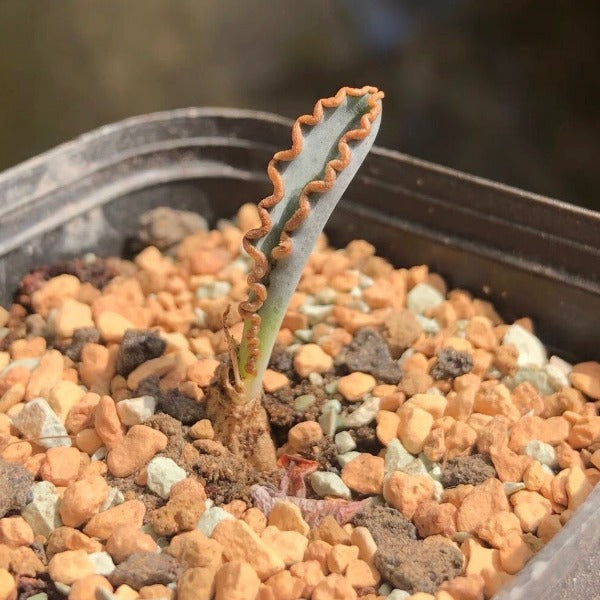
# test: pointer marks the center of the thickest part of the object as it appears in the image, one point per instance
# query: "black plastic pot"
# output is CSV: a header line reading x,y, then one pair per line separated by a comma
x,y
529,255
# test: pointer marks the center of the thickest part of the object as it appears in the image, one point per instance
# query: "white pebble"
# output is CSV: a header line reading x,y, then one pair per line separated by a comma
x,y
163,474
134,411
316,312
398,595
415,467
316,379
344,442
346,457
510,487
28,363
531,351
396,456
423,297
211,518
115,496
326,296
363,415
103,563
329,484
542,452
430,326
37,420
42,512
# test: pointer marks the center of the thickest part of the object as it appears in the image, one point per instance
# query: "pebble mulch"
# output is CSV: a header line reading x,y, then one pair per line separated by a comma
x,y
427,449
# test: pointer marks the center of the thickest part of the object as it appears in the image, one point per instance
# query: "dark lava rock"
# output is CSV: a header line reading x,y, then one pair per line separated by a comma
x,y
145,568
281,360
451,363
366,439
172,402
387,525
15,487
164,227
81,337
417,566
138,346
474,469
369,353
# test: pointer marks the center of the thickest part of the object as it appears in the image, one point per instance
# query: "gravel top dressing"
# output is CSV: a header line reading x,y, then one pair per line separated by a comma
x,y
425,448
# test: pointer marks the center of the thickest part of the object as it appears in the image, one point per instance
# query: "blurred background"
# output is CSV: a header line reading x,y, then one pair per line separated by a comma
x,y
506,90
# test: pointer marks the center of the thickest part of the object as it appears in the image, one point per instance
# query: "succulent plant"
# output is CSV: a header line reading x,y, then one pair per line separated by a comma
x,y
308,179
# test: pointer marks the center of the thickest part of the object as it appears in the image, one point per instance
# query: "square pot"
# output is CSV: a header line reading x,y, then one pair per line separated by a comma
x,y
527,254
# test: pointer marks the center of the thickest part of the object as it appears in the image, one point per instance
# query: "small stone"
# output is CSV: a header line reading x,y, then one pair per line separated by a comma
x,y
339,556
369,353
69,316
82,500
396,456
405,492
361,538
356,385
415,425
67,538
479,504
128,539
103,563
387,426
304,435
285,585
344,459
419,566
8,585
69,566
432,518
451,363
163,473
240,542
137,347
364,474
310,358
531,351
363,415
211,518
514,553
81,336
42,512
87,587
288,517
145,568
138,447
530,508
329,531
197,583
15,487
134,411
37,421
329,484
334,587
274,381
542,452
61,465
112,326
103,524
423,297
203,371
107,423
15,531
498,528
586,378
236,580
361,575
63,397
344,442
401,328
202,430
474,469
288,545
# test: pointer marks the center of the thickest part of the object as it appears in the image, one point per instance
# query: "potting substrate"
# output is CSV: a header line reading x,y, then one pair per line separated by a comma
x,y
426,448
